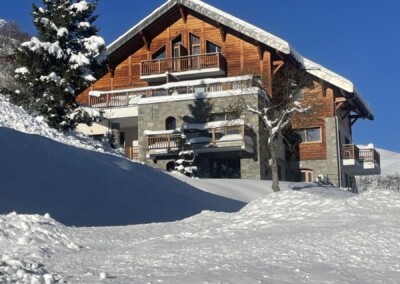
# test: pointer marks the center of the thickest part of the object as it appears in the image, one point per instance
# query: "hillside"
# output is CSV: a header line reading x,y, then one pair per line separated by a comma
x,y
390,162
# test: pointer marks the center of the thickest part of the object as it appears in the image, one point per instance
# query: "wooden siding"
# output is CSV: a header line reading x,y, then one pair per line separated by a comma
x,y
321,101
242,57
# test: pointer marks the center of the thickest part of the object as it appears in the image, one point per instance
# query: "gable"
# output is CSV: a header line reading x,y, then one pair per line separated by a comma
x,y
174,10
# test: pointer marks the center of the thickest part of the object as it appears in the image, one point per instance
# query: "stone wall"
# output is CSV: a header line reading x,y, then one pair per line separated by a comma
x,y
152,116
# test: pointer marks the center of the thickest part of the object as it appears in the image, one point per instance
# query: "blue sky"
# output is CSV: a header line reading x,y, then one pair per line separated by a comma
x,y
359,40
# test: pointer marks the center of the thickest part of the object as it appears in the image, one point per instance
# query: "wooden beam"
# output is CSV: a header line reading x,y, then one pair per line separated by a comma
x,y
354,118
261,49
222,31
277,65
183,13
339,102
146,40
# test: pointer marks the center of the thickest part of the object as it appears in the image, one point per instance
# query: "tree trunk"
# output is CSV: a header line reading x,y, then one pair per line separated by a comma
x,y
274,167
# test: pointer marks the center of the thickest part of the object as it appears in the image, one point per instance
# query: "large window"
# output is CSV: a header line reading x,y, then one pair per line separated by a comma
x,y
212,47
310,134
225,168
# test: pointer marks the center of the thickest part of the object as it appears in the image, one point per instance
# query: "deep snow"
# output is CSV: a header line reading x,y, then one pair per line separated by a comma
x,y
313,235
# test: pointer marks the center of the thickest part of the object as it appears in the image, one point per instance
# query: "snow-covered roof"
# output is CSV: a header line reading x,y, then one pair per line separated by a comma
x,y
251,31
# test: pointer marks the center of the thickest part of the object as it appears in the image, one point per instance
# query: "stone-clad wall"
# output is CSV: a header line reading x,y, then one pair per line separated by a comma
x,y
152,116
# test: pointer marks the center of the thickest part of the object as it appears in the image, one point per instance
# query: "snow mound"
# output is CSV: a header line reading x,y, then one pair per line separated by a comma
x,y
24,241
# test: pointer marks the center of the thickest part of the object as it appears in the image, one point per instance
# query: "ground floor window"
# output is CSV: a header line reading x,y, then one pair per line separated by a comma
x,y
307,175
225,168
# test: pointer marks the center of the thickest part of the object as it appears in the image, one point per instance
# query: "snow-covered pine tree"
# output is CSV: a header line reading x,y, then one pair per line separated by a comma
x,y
61,61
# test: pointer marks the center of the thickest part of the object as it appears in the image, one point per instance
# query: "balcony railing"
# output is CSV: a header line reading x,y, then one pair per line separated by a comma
x,y
130,97
350,151
114,99
370,155
132,153
163,141
222,136
182,64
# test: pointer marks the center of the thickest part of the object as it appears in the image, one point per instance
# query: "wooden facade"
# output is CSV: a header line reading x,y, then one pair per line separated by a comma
x,y
242,55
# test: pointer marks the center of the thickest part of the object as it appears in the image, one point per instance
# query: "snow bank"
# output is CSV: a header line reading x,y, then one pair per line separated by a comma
x,y
24,241
16,118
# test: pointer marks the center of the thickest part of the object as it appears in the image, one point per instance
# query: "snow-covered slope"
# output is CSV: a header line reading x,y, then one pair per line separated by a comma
x,y
317,235
77,185
390,162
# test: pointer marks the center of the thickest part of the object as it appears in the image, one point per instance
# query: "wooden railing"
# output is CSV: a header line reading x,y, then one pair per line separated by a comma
x,y
162,141
181,64
130,97
114,99
350,151
132,153
370,155
212,136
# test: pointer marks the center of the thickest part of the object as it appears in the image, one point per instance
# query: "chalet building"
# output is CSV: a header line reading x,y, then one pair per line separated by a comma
x,y
184,68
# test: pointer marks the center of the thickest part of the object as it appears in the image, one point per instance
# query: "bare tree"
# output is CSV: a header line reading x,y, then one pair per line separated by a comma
x,y
10,38
275,111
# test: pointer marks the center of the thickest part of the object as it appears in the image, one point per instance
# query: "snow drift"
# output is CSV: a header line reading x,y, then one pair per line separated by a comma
x,y
82,187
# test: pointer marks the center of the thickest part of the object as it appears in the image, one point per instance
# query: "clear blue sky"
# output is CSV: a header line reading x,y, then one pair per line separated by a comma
x,y
358,39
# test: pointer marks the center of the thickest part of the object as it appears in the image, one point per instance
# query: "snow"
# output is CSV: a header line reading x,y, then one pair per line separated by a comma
x,y
80,6
307,233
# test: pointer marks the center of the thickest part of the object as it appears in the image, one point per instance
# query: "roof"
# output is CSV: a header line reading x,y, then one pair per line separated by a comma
x,y
253,32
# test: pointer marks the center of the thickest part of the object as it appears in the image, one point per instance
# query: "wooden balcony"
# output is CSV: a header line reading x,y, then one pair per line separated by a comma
x,y
356,161
163,141
111,99
215,139
132,153
131,97
184,67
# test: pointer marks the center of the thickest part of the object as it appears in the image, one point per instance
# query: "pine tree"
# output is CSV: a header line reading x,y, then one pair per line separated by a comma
x,y
61,61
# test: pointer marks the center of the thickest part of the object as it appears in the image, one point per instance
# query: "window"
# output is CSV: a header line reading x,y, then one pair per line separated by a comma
x,y
159,54
307,175
310,134
170,123
225,168
212,47
194,45
176,46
